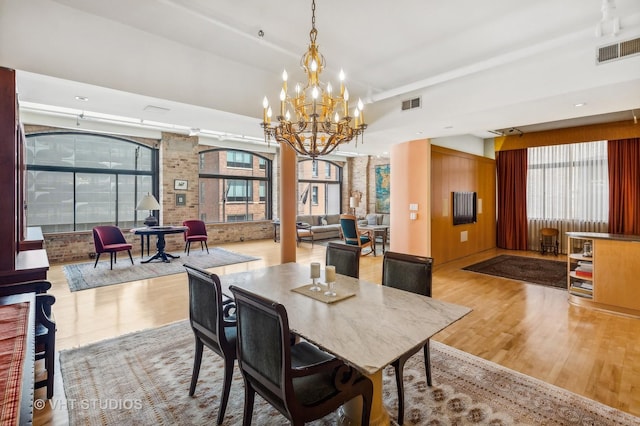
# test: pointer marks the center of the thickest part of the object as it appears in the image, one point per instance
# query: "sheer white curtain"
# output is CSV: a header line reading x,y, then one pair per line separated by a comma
x,y
567,189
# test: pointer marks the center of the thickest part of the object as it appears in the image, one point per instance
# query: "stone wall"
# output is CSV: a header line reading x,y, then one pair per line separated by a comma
x,y
79,247
178,160
362,183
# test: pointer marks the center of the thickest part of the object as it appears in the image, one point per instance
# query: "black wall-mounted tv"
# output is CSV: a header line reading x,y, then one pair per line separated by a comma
x,y
464,208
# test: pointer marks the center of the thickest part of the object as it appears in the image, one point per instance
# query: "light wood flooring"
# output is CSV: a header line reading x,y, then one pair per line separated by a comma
x,y
528,328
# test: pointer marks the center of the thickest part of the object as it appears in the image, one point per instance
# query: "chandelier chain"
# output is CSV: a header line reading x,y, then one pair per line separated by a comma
x,y
321,119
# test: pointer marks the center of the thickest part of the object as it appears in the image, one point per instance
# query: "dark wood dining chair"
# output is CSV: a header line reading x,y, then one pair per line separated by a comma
x,y
301,381
197,231
109,239
344,257
410,273
212,327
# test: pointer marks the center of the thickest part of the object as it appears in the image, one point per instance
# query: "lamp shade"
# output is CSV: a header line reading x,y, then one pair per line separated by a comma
x,y
148,202
353,202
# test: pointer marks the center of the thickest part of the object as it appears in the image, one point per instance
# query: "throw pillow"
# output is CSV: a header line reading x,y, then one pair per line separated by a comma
x,y
323,220
372,219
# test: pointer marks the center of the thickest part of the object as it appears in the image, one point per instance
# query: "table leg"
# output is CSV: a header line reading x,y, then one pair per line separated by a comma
x,y
161,254
351,412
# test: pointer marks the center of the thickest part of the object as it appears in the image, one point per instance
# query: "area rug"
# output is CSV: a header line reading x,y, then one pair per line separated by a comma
x,y
551,273
83,276
143,378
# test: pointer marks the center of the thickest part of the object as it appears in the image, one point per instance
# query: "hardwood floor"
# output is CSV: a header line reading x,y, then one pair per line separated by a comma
x,y
528,328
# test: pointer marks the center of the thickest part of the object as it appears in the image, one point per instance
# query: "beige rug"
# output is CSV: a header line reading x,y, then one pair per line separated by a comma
x,y
82,276
143,378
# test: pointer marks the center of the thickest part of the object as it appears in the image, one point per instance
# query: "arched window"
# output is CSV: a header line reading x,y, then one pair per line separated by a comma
x,y
76,181
319,187
235,186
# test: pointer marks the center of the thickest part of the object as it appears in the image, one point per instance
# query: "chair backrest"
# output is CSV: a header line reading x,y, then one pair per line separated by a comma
x,y
349,227
346,258
407,272
205,305
263,344
105,235
195,227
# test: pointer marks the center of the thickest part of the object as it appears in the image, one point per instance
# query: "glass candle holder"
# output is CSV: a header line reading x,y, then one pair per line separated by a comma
x,y
330,275
315,274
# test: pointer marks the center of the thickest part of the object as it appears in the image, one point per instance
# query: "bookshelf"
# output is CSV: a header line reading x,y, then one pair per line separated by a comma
x,y
580,267
604,275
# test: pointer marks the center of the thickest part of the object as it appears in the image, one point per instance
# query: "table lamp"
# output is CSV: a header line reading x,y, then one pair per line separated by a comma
x,y
150,203
353,203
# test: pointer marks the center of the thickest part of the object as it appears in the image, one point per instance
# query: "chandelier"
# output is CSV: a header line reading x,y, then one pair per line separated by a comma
x,y
320,120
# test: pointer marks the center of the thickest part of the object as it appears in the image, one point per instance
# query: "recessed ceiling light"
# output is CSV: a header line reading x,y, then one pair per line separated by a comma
x,y
448,127
580,104
82,98
418,133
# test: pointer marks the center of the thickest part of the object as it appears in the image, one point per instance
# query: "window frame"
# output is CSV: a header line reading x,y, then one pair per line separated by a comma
x,y
116,174
237,174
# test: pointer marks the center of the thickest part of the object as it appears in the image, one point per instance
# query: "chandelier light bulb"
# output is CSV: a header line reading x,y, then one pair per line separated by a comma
x,y
265,102
287,116
283,95
297,89
329,89
341,75
346,94
315,92
360,104
269,112
285,76
314,65
336,118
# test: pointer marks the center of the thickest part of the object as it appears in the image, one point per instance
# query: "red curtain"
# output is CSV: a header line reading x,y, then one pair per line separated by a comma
x,y
511,232
624,186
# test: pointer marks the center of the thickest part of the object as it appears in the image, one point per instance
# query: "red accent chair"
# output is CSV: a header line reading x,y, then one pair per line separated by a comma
x,y
109,239
197,232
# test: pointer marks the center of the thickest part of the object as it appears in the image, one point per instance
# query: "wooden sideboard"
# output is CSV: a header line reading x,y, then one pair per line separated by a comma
x,y
615,271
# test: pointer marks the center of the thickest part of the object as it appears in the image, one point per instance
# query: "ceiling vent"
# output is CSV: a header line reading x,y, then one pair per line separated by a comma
x,y
618,50
411,104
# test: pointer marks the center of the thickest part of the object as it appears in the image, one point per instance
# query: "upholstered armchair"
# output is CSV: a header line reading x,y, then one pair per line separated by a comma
x,y
197,231
410,273
212,327
353,236
109,239
300,381
346,258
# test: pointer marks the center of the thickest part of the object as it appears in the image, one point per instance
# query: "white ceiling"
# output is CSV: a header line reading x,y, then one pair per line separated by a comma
x,y
478,66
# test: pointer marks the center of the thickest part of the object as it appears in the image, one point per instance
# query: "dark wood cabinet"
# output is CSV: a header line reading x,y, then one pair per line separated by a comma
x,y
16,264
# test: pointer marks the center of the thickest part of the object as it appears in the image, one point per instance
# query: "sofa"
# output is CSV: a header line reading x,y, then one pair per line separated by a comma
x,y
323,226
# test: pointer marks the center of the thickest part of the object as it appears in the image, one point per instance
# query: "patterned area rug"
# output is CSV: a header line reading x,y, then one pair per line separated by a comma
x,y
82,276
143,378
551,273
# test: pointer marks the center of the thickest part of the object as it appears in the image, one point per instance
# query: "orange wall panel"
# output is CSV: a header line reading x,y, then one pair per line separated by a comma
x,y
411,184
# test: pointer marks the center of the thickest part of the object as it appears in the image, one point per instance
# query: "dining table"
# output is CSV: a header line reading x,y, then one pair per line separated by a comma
x,y
366,325
159,232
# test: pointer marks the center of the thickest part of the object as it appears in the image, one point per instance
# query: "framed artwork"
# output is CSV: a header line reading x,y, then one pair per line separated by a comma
x,y
181,199
382,188
180,184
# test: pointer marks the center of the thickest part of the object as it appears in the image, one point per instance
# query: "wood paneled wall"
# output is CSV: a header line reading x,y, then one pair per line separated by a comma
x,y
458,171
